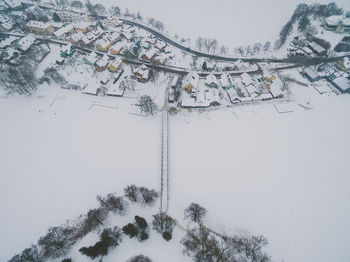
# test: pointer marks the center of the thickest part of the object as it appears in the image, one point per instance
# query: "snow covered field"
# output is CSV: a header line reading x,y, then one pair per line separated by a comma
x,y
284,176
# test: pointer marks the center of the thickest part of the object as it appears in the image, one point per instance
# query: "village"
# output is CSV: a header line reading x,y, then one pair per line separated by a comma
x,y
110,56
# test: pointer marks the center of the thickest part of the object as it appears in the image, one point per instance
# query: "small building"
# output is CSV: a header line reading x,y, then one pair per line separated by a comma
x,y
160,45
116,48
127,35
246,79
115,89
191,82
67,50
150,54
103,45
40,27
112,21
91,58
60,60
175,82
275,89
331,23
342,83
64,30
82,27
91,89
142,74
115,65
6,23
102,64
76,38
226,81
134,51
232,94
317,49
211,81
25,43
311,74
161,59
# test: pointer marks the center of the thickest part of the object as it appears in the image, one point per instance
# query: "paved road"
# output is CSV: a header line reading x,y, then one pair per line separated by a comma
x,y
302,60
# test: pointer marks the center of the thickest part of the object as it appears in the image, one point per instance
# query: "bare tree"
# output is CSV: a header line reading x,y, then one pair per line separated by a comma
x,y
148,196
199,43
257,47
140,258
267,46
57,242
163,223
195,212
223,50
147,105
132,193
30,254
113,203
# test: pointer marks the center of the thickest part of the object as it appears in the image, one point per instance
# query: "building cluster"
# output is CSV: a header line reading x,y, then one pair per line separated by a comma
x,y
337,74
338,23
311,48
212,91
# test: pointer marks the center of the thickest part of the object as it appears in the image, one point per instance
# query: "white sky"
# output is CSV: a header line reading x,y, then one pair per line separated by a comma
x,y
235,22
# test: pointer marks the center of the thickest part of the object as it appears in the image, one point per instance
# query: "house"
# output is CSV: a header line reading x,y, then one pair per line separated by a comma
x,y
102,64
146,45
116,48
6,23
175,82
142,74
26,42
115,89
82,26
76,38
317,49
67,50
160,45
64,30
91,89
161,59
232,94
127,35
342,83
332,23
115,65
246,79
60,60
226,81
40,27
134,51
212,96
275,89
7,42
105,77
191,82
252,91
311,74
211,81
10,5
36,13
112,21
103,45
91,58
150,54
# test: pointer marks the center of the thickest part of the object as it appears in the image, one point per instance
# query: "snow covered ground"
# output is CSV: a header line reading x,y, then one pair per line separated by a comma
x,y
281,175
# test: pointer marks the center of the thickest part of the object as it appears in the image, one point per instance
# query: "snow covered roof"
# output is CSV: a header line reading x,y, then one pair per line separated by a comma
x,y
211,79
192,79
246,79
91,89
233,95
64,30
103,61
8,41
38,24
318,48
82,25
311,73
343,83
104,43
6,22
117,46
160,45
251,89
174,82
347,62
116,62
226,80
275,89
143,71
114,89
334,20
92,57
346,21
150,53
26,42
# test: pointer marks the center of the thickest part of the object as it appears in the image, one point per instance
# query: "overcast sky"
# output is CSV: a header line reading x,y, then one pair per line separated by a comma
x,y
235,22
